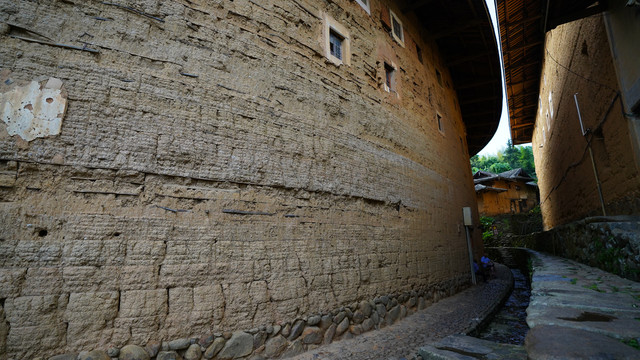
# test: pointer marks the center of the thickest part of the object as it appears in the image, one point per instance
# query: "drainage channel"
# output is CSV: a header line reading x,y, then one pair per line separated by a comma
x,y
509,324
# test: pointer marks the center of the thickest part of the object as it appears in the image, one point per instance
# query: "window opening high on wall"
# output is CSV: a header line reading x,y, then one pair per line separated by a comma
x,y
396,28
365,5
389,74
335,44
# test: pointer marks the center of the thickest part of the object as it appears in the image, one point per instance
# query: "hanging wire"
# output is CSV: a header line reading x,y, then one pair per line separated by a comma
x,y
576,74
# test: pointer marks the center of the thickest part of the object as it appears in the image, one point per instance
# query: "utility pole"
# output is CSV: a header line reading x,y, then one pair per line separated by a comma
x,y
593,162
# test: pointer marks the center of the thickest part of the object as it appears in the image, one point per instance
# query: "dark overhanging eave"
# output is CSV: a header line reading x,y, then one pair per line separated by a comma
x,y
466,39
523,25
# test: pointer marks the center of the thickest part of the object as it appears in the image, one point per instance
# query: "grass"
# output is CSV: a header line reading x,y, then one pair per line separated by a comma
x,y
573,281
632,342
593,287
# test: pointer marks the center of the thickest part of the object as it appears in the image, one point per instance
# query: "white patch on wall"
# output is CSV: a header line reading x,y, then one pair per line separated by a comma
x,y
551,104
548,121
539,105
34,110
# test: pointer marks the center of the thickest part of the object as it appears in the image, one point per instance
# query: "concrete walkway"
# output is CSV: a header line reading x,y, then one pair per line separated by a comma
x,y
458,314
575,312
580,312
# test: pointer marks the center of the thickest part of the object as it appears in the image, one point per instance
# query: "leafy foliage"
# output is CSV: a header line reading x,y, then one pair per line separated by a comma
x,y
485,225
509,158
632,342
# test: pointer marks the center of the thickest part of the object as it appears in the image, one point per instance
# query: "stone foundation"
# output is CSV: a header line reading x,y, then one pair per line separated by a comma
x,y
294,337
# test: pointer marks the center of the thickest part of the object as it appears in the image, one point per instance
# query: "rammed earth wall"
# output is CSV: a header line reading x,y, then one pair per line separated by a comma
x,y
215,172
578,61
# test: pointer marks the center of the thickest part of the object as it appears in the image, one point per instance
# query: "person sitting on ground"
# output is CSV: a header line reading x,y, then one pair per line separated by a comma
x,y
487,265
478,271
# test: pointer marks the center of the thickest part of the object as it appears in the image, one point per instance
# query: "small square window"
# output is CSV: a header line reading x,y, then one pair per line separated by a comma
x,y
440,126
335,44
389,78
396,28
365,5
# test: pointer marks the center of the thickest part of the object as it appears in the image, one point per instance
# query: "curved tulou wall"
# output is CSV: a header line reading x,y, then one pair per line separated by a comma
x,y
215,172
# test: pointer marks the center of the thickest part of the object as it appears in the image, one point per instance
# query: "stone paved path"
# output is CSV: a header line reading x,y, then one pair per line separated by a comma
x,y
578,312
457,314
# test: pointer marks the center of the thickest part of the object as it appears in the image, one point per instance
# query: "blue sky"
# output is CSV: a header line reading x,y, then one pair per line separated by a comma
x,y
499,140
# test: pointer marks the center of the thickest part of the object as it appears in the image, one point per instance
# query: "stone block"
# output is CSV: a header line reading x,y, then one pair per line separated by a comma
x,y
214,348
193,352
555,342
312,335
240,344
296,329
342,327
275,346
94,355
133,352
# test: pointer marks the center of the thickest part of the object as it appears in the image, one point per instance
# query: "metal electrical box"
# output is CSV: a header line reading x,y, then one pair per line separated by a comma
x,y
466,213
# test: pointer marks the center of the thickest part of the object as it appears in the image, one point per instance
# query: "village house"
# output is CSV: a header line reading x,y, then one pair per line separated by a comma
x,y
510,192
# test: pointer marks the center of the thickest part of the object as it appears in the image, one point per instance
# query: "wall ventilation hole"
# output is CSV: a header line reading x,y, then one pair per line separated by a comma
x,y
43,233
49,100
116,234
585,48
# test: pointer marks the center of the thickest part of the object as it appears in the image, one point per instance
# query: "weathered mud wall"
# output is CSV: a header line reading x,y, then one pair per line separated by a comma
x,y
578,60
214,171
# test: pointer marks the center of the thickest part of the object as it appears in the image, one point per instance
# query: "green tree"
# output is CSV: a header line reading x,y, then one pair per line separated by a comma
x,y
526,161
511,157
499,167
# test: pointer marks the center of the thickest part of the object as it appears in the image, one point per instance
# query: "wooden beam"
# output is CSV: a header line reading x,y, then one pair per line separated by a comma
x,y
522,47
523,21
521,126
522,82
515,108
517,96
516,65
